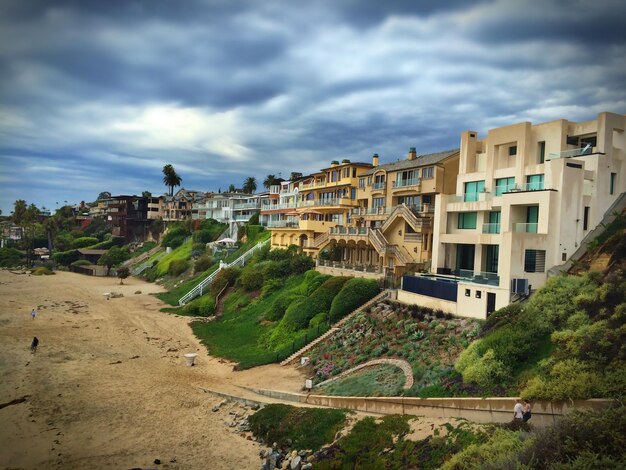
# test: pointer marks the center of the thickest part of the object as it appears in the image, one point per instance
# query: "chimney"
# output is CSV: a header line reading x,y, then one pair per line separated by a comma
x,y
412,154
375,160
334,163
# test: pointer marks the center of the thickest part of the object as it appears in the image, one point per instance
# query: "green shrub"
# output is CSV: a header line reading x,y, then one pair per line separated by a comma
x,y
227,276
354,293
567,380
10,257
203,306
312,280
301,264
198,247
109,243
81,262
177,267
202,264
298,315
251,279
295,427
318,319
203,237
280,305
252,230
487,371
276,269
270,286
66,258
42,270
83,242
175,237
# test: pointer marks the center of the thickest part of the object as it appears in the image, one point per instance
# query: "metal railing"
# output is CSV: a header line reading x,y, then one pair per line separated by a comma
x,y
283,224
341,230
471,197
247,205
349,266
479,277
378,185
199,289
407,182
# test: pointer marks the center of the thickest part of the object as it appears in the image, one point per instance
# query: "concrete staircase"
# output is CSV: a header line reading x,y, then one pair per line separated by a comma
x,y
336,327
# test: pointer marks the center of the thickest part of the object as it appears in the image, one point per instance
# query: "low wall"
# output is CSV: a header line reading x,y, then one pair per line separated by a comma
x,y
426,301
347,272
479,410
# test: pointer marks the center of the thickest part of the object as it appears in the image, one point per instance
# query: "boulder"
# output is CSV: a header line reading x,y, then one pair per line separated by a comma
x,y
296,463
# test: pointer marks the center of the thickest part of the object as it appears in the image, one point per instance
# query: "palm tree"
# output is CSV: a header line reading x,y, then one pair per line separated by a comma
x,y
249,185
170,178
270,180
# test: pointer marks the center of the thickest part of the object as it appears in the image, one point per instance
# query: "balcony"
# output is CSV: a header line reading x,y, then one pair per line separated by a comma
x,y
378,185
405,183
587,150
313,185
525,228
349,267
283,224
413,237
248,205
344,201
471,197
479,277
491,228
355,231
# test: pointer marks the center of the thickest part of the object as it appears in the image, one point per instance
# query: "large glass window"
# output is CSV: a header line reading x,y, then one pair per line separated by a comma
x,y
532,219
467,220
534,182
491,261
472,190
378,202
504,185
465,257
494,223
534,261
428,173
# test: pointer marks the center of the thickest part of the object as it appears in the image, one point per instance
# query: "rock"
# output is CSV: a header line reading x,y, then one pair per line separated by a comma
x,y
255,406
306,466
296,463
137,292
157,461
274,445
215,408
305,453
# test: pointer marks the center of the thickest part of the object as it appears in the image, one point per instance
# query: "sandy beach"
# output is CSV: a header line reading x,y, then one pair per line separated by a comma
x,y
108,387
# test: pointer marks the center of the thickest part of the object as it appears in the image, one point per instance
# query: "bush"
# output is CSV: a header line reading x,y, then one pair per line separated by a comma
x,y
10,257
301,264
66,258
227,276
568,380
81,262
177,267
488,371
280,305
299,314
251,279
42,270
202,264
175,237
276,269
354,293
203,237
83,242
108,243
252,231
270,286
201,307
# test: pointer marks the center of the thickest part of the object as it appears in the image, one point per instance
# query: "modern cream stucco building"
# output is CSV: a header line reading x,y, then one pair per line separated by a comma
x,y
526,196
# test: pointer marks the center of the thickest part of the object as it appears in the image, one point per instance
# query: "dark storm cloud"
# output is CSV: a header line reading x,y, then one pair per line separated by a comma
x,y
227,89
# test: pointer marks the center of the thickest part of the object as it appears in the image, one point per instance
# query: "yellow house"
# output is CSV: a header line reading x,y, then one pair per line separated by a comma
x,y
390,230
324,200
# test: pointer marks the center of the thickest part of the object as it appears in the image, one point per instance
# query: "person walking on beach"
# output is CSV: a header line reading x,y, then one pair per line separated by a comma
x,y
34,344
518,410
33,314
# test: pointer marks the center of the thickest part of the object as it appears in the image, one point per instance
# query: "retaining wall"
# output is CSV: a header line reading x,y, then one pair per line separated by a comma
x,y
479,410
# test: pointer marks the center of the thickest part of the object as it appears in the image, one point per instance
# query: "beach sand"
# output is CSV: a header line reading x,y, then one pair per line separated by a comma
x,y
108,386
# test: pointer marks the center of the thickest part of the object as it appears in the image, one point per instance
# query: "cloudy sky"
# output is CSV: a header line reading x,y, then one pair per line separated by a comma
x,y
99,95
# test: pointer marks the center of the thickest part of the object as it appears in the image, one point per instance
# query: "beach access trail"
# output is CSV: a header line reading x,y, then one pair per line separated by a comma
x,y
108,386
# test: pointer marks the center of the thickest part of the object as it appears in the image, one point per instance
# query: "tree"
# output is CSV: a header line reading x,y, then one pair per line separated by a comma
x,y
123,273
231,188
146,194
114,256
19,211
103,195
171,178
269,181
249,185
295,175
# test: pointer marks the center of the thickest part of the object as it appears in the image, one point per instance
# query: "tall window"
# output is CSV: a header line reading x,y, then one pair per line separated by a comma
x,y
379,182
491,261
532,219
467,220
494,223
504,185
534,182
586,218
612,183
428,173
378,202
361,183
541,152
334,176
472,190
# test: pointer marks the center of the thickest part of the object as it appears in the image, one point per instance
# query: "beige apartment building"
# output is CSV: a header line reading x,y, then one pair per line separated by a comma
x,y
526,196
391,230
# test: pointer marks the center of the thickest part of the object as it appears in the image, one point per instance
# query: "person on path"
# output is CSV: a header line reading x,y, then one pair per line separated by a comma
x,y
34,344
518,410
527,411
33,314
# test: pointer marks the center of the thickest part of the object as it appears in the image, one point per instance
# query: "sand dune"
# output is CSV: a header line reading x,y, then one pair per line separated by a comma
x,y
108,386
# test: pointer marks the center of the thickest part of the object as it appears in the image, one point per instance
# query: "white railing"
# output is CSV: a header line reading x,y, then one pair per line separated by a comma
x,y
283,224
199,289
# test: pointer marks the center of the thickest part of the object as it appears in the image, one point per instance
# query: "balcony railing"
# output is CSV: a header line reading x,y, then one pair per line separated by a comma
x,y
587,150
536,186
480,277
378,185
327,202
471,197
406,182
527,228
506,188
283,224
349,266
491,228
247,205
354,231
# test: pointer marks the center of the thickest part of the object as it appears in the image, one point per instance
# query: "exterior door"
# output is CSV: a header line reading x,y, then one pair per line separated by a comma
x,y
491,302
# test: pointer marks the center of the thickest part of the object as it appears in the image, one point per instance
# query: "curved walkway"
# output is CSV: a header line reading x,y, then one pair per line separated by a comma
x,y
401,363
